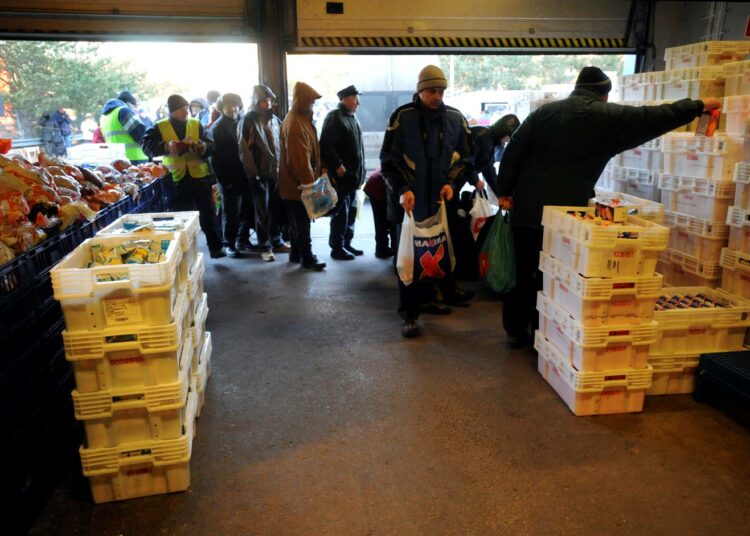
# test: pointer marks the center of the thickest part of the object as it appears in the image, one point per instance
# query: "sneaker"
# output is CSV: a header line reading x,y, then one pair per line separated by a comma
x,y
268,256
246,247
409,329
313,264
217,253
230,252
354,251
341,255
282,248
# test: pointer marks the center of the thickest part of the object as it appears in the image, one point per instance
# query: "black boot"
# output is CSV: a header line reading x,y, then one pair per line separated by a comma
x,y
312,263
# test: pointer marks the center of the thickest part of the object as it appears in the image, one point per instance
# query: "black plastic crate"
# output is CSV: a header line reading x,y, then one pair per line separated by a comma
x,y
724,380
13,278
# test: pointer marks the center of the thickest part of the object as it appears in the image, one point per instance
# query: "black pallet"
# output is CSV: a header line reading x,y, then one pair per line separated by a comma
x,y
723,376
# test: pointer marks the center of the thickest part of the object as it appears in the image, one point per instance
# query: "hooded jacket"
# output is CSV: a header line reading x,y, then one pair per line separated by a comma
x,y
225,159
300,152
127,118
423,150
259,144
560,150
341,143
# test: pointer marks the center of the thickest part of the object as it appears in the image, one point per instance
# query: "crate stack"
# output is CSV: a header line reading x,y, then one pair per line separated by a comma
x,y
735,258
129,336
596,308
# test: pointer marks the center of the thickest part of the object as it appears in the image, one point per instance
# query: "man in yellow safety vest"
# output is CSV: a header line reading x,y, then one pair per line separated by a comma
x,y
185,146
120,124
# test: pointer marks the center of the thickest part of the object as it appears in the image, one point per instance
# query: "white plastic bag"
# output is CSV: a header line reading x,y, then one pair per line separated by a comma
x,y
480,211
425,250
319,197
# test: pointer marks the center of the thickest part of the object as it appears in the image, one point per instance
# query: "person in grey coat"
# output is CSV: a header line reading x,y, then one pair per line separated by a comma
x,y
555,158
343,154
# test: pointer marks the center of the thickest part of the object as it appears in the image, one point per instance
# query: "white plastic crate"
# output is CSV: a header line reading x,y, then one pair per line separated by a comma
x,y
595,250
736,112
673,375
701,157
204,371
688,264
637,206
602,300
690,83
702,330
739,237
741,179
635,182
95,153
141,468
640,158
101,297
735,272
592,393
595,348
198,328
699,198
118,416
127,356
736,78
186,223
695,237
634,87
676,276
195,283
705,53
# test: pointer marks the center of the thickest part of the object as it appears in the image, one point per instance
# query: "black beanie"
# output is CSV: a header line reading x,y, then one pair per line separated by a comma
x,y
127,96
175,102
593,78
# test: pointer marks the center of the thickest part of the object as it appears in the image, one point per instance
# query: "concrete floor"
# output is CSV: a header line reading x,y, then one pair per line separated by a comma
x,y
321,419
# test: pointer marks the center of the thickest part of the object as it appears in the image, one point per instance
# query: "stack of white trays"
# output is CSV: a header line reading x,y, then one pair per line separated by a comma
x,y
596,308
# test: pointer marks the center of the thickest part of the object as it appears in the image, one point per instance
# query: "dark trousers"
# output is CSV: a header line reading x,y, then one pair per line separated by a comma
x,y
520,318
236,215
411,297
195,194
385,230
266,201
299,227
343,219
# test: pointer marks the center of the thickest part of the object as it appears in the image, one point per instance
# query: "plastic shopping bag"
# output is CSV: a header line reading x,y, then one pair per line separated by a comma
x,y
497,260
480,211
319,197
360,202
425,251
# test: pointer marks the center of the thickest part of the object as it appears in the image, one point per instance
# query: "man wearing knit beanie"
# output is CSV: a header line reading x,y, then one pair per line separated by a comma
x,y
556,157
185,146
426,147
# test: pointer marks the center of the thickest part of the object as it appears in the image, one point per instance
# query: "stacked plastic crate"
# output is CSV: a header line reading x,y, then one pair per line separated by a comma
x,y
128,336
596,308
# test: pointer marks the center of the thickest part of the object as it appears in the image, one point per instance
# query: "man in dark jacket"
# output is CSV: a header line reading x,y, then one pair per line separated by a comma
x,y
343,154
63,121
425,148
484,143
260,151
185,146
555,158
120,124
230,174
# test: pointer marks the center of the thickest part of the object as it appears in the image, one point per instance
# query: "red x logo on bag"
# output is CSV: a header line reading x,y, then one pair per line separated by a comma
x,y
431,264
478,224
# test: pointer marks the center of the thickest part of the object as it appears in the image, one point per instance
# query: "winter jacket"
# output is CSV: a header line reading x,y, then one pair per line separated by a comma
x,y
226,159
153,144
300,152
63,121
341,143
423,150
483,151
557,154
259,145
127,117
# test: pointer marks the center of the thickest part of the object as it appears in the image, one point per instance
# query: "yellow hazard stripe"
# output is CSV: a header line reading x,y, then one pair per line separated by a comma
x,y
370,41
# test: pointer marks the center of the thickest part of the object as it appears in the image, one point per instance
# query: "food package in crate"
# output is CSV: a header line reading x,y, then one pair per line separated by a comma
x,y
186,223
122,415
595,392
682,270
595,348
599,301
695,237
735,274
673,374
141,468
633,205
701,157
128,356
97,291
593,247
736,78
700,198
696,320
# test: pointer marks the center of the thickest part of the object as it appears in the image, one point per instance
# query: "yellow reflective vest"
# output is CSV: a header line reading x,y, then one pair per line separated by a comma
x,y
114,132
192,162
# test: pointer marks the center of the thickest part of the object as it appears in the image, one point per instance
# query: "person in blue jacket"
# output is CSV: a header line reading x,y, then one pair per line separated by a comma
x,y
425,148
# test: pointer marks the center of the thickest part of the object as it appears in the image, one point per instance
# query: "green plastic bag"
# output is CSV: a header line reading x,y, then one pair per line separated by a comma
x,y
497,258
